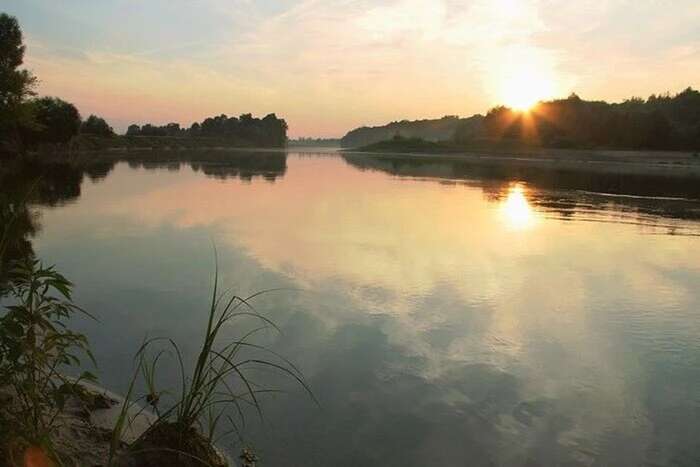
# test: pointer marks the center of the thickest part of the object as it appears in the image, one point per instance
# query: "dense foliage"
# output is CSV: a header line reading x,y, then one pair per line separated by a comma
x,y
55,121
404,145
660,122
16,84
269,131
667,122
97,126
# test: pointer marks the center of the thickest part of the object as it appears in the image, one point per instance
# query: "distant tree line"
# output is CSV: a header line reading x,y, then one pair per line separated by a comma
x,y
314,142
661,122
440,129
269,131
670,122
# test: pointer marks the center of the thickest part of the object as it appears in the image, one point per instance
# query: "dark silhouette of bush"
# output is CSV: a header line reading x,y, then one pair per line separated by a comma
x,y
133,130
55,121
403,145
97,126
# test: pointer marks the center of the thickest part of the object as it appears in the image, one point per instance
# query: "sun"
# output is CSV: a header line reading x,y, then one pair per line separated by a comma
x,y
525,86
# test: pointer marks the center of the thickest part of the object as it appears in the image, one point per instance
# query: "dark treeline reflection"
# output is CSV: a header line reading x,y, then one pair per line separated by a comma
x,y
563,192
26,184
244,165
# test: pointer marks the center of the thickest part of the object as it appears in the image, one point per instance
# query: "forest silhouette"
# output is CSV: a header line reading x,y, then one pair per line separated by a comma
x,y
661,122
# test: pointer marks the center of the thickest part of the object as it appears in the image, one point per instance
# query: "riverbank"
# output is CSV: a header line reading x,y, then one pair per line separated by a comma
x,y
85,426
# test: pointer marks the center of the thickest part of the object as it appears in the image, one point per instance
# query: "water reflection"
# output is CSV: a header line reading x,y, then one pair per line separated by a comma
x,y
657,199
244,165
24,185
516,208
441,315
31,183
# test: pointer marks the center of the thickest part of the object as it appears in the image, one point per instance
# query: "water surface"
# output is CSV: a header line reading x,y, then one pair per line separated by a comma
x,y
443,314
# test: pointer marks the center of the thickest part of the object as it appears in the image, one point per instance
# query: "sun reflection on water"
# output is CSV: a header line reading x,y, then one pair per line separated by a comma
x,y
516,210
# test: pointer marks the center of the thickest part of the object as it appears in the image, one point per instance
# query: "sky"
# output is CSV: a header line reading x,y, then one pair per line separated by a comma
x,y
328,66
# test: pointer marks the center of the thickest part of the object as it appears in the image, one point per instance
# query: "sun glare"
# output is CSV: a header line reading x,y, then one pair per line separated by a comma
x,y
516,209
525,86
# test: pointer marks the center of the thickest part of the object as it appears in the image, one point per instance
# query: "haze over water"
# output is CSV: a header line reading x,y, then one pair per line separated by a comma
x,y
441,317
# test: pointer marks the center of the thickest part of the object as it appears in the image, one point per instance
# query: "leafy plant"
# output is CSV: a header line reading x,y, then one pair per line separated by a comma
x,y
35,348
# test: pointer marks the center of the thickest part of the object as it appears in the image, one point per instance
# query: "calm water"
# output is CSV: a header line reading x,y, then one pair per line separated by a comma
x,y
443,314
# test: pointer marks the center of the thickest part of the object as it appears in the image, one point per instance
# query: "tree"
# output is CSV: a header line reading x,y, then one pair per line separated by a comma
x,y
172,129
15,85
133,130
275,130
95,125
57,121
195,129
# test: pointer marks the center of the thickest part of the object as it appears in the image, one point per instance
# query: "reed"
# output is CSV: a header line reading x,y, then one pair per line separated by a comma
x,y
188,427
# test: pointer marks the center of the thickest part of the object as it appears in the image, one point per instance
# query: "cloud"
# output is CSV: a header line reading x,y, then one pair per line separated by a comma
x,y
328,66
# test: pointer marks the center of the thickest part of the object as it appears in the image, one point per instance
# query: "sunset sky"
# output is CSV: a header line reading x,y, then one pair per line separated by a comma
x,y
327,66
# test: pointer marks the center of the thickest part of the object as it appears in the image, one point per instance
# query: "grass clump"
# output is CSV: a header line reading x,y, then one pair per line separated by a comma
x,y
215,391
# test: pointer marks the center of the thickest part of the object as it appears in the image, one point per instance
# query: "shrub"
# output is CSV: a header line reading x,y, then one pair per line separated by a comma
x,y
35,348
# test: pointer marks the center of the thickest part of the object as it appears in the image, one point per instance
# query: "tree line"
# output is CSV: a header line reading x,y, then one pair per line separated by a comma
x,y
28,122
665,122
661,122
440,129
268,131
